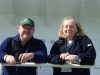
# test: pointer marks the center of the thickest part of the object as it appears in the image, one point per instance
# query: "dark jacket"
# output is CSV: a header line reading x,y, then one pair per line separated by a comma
x,y
82,46
12,46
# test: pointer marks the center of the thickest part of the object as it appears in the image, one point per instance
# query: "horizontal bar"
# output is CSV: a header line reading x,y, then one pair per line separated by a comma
x,y
29,64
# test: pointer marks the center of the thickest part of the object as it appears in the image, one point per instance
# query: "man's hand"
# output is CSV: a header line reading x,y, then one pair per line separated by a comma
x,y
25,57
10,59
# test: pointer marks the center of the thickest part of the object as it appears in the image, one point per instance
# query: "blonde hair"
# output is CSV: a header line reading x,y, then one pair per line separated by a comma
x,y
80,31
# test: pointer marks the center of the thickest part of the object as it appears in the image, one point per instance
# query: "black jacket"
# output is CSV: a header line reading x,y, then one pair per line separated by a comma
x,y
82,46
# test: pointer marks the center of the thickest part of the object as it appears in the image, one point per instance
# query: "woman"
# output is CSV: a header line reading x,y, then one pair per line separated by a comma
x,y
74,47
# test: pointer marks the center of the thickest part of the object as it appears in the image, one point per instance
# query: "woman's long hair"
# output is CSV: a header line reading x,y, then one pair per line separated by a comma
x,y
80,31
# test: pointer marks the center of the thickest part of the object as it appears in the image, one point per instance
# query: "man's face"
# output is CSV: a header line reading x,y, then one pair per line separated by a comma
x,y
26,32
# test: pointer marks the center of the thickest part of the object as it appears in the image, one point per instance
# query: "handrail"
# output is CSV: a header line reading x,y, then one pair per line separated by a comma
x,y
53,65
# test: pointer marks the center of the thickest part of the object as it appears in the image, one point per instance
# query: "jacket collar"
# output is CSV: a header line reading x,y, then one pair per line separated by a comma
x,y
17,37
76,38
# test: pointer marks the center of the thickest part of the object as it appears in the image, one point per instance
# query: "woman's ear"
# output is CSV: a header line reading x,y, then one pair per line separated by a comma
x,y
76,30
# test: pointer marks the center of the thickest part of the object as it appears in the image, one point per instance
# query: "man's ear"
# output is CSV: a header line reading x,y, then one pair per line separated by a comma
x,y
17,28
33,29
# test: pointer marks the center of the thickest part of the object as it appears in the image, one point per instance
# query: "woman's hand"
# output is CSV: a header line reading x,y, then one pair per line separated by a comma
x,y
63,55
72,58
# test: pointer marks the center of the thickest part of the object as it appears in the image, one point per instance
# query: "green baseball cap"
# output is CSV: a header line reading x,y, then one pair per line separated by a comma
x,y
27,21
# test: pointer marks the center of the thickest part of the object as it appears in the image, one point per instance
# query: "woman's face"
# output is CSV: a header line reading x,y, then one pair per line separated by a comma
x,y
26,32
69,28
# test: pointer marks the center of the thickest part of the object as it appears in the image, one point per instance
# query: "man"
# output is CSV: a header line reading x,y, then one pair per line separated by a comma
x,y
22,48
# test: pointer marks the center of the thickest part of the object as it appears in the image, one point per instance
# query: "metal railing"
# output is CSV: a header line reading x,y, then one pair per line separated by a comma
x,y
51,65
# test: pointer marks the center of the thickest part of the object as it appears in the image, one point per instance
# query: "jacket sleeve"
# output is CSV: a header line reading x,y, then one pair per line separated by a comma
x,y
40,55
4,48
54,56
88,53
